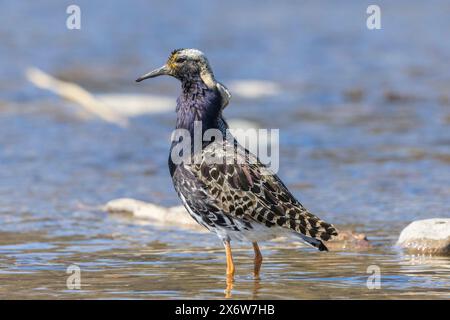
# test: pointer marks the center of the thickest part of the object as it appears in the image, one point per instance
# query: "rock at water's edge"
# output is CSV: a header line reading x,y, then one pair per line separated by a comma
x,y
158,215
430,236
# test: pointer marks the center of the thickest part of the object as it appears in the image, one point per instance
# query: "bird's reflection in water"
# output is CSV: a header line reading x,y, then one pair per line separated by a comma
x,y
230,284
256,288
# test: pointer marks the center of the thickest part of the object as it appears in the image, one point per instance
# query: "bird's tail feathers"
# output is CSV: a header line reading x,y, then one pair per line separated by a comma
x,y
313,242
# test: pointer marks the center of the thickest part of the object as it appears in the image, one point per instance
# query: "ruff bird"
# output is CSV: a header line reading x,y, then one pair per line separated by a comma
x,y
238,199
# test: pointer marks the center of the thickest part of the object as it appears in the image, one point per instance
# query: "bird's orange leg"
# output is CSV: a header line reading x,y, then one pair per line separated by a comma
x,y
230,269
230,264
258,260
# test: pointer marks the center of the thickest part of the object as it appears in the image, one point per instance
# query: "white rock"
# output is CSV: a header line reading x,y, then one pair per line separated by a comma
x,y
253,88
132,105
157,215
430,236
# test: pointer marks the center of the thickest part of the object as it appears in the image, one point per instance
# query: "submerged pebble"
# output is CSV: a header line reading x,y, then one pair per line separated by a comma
x,y
349,240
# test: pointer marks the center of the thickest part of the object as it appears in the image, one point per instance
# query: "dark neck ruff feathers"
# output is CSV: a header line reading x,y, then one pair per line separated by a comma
x,y
197,102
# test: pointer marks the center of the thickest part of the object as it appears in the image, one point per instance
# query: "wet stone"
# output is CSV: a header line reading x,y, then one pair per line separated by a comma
x,y
349,240
430,236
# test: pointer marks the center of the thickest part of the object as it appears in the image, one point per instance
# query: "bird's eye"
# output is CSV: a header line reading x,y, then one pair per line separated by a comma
x,y
180,60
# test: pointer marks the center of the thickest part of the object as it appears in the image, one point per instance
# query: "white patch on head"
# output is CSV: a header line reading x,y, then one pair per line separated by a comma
x,y
206,72
192,53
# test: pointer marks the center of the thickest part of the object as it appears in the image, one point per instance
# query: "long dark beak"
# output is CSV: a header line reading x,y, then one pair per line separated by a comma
x,y
164,70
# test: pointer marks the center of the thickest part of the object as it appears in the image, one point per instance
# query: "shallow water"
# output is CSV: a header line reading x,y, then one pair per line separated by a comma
x,y
126,259
364,120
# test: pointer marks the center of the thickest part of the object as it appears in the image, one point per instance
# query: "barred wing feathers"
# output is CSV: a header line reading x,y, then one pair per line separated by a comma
x,y
244,188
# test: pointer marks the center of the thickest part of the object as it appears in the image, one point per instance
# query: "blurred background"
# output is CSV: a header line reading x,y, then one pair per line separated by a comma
x,y
364,119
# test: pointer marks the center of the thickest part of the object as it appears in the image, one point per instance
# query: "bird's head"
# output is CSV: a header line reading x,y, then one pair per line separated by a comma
x,y
184,64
